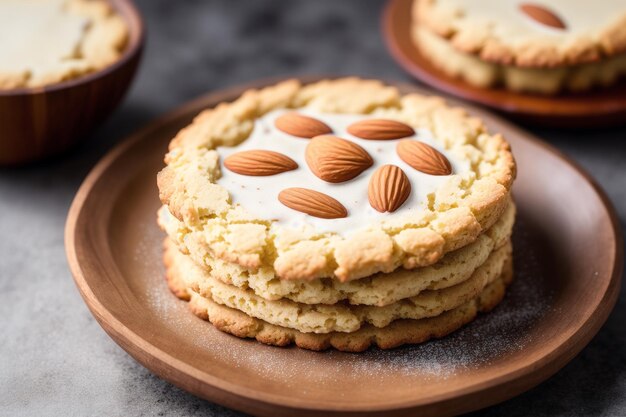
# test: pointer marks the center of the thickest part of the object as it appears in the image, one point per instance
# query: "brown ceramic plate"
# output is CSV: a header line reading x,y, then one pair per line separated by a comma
x,y
568,257
594,109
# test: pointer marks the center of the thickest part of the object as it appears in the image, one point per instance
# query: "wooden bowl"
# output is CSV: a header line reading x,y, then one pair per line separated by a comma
x,y
568,260
40,122
597,108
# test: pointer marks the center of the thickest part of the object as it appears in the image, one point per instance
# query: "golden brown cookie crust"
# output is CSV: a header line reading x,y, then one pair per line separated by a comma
x,y
457,213
473,70
380,289
399,332
321,318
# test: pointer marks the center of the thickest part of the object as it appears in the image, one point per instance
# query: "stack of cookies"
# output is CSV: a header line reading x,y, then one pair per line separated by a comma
x,y
338,213
546,47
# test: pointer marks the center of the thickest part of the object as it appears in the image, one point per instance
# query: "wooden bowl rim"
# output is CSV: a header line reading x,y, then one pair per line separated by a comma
x,y
129,12
232,395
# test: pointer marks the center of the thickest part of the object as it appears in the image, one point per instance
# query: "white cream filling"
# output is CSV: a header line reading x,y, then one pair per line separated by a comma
x,y
259,195
38,36
509,23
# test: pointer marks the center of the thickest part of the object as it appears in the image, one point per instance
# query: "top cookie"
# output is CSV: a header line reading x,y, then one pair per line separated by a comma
x,y
545,33
48,41
369,217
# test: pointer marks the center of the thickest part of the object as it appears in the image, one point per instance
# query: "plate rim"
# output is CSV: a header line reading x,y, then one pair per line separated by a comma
x,y
589,117
232,395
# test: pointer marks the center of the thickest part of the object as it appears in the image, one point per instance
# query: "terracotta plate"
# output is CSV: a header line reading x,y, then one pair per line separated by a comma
x,y
568,257
599,108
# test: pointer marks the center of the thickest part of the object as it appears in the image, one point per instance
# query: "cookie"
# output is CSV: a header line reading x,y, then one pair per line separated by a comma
x,y
412,179
533,80
399,332
321,318
534,47
46,42
545,34
380,289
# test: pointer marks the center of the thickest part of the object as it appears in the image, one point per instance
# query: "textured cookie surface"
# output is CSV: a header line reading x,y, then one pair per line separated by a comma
x,y
48,41
480,73
339,317
399,332
542,34
380,289
454,214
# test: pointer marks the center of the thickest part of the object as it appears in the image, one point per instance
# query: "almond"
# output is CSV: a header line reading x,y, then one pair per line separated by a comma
x,y
388,189
259,163
542,15
380,129
423,157
312,202
335,159
302,126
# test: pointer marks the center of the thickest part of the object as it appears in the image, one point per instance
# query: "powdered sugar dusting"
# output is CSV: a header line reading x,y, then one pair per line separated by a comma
x,y
491,336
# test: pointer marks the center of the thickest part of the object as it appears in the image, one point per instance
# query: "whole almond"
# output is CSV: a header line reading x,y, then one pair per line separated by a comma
x,y
302,126
423,157
335,159
388,189
259,163
312,203
542,15
380,129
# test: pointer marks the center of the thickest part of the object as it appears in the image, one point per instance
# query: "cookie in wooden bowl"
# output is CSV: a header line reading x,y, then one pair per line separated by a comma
x,y
64,66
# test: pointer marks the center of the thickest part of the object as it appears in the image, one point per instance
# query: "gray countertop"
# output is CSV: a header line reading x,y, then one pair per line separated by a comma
x,y
56,360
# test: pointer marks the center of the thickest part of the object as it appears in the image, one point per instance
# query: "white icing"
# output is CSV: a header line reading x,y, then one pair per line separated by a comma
x,y
38,36
259,195
579,16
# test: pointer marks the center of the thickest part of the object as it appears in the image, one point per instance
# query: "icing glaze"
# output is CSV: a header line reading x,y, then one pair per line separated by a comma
x,y
258,195
38,36
510,23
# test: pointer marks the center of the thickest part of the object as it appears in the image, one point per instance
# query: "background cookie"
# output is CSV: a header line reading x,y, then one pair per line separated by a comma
x,y
46,42
529,34
544,47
